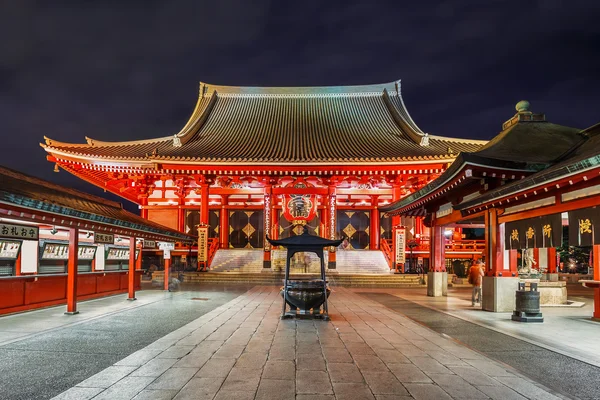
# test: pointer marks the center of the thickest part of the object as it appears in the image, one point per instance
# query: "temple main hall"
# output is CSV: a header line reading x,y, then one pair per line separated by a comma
x,y
257,161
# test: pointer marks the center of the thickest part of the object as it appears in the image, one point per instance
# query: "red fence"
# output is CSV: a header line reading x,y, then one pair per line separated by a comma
x,y
21,293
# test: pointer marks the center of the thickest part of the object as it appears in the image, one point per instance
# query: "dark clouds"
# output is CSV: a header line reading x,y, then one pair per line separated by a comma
x,y
123,70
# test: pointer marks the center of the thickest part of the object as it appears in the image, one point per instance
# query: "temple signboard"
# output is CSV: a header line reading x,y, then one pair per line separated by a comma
x,y
104,238
202,243
400,247
19,231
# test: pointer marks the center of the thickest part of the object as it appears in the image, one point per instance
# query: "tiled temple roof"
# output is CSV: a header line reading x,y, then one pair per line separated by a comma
x,y
527,144
287,125
29,192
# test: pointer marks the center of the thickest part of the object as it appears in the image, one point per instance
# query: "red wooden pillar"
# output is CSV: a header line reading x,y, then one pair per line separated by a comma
x,y
596,265
494,245
396,194
204,203
167,269
552,260
144,210
132,264
181,216
224,223
72,272
437,249
275,220
374,222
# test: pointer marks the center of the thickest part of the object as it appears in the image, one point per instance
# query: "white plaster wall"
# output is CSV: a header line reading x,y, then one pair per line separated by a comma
x,y
29,256
100,258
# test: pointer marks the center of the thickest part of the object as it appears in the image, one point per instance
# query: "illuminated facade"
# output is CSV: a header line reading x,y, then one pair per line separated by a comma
x,y
255,161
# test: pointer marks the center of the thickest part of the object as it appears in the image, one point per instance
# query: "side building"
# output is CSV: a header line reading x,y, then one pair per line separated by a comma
x,y
253,161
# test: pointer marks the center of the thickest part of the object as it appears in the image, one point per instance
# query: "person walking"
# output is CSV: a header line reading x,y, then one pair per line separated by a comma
x,y
476,279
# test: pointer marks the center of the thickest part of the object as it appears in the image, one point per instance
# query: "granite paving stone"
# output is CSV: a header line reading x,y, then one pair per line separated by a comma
x,y
282,370
147,394
154,367
199,389
423,391
344,372
501,392
176,351
216,368
429,365
457,387
223,395
313,382
408,373
126,388
244,351
384,383
269,389
352,391
79,393
310,362
251,360
174,378
107,377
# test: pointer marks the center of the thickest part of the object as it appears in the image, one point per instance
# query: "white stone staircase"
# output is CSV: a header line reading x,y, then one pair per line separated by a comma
x,y
251,261
361,262
237,260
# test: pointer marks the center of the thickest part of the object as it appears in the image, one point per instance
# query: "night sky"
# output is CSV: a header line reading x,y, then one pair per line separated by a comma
x,y
126,70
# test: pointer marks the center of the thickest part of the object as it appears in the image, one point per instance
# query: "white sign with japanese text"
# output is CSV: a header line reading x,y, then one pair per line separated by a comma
x,y
19,231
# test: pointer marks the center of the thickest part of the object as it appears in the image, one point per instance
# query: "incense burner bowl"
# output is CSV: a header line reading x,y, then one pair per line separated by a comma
x,y
304,295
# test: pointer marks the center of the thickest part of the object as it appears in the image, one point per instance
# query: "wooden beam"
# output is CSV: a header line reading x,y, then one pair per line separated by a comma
x,y
556,208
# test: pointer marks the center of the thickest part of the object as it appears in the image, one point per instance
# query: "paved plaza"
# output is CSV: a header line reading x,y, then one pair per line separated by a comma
x,y
242,350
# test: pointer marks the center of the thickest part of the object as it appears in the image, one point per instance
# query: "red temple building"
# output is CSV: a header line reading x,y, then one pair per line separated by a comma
x,y
535,187
253,161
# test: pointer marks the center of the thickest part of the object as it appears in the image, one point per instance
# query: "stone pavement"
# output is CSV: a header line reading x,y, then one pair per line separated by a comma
x,y
242,350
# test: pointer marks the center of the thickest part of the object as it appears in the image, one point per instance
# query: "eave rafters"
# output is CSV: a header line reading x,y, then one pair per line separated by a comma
x,y
543,189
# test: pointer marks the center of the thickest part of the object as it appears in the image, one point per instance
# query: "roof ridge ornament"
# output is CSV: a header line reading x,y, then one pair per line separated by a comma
x,y
425,140
176,141
524,114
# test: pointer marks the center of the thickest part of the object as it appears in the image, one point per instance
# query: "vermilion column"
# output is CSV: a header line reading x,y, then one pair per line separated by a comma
x,y
181,216
437,249
144,210
131,277
204,203
167,269
551,260
494,245
275,221
596,265
374,222
396,194
224,223
72,272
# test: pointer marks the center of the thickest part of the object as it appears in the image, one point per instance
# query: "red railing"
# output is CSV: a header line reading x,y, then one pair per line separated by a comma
x,y
213,246
27,292
386,248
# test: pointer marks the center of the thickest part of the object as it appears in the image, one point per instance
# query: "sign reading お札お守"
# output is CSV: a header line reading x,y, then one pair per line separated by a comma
x,y
19,231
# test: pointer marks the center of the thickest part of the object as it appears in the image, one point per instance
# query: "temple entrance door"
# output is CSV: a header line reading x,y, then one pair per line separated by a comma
x,y
355,225
246,229
287,228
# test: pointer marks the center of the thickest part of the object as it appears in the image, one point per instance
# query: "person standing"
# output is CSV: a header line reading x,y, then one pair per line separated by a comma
x,y
476,279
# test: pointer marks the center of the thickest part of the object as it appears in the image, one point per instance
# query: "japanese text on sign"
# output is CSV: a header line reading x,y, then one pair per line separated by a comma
x,y
400,246
19,231
106,238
